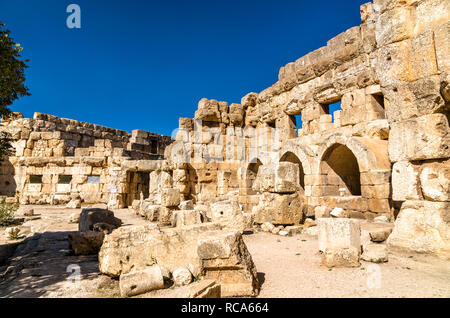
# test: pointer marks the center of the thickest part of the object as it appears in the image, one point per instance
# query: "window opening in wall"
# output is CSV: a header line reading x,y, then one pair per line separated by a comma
x,y
36,179
64,179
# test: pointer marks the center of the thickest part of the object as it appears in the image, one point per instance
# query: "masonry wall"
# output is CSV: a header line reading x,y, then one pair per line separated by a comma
x,y
57,160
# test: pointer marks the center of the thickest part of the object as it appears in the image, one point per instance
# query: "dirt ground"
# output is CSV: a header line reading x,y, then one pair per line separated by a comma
x,y
42,266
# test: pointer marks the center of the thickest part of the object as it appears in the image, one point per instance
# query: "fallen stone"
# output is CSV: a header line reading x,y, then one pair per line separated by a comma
x,y
422,227
380,235
226,260
338,213
89,217
276,230
103,227
341,257
375,253
74,204
141,281
86,243
182,277
283,233
206,288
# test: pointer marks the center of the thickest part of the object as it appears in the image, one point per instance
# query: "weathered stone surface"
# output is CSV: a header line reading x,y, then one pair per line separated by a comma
x,y
28,212
74,217
74,204
380,235
435,181
230,215
141,281
89,217
375,253
86,243
182,276
405,181
267,227
420,138
423,227
226,260
281,178
286,209
337,232
341,257
133,247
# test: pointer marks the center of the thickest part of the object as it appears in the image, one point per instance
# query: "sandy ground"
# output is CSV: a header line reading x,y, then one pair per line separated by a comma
x,y
290,267
287,267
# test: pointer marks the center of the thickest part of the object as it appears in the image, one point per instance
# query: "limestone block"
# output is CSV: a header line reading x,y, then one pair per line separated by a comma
x,y
208,110
249,100
186,217
89,217
435,181
286,209
421,138
182,276
431,14
236,114
423,227
282,177
407,60
341,256
395,25
226,260
405,181
141,281
375,253
406,100
170,197
442,45
339,232
160,180
133,247
230,215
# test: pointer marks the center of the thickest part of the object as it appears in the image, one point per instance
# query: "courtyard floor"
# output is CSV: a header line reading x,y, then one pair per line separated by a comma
x,y
287,267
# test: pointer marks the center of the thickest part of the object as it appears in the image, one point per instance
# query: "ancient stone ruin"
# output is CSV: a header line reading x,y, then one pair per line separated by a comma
x,y
282,157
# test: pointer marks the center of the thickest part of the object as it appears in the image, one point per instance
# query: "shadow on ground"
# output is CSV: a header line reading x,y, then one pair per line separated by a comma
x,y
42,264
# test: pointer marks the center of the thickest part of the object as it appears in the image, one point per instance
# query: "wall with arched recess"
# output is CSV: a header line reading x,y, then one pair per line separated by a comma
x,y
374,171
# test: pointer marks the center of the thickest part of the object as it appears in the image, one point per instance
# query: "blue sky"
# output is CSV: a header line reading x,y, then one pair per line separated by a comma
x,y
139,64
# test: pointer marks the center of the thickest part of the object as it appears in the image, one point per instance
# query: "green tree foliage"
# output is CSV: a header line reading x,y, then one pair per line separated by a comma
x,y
12,80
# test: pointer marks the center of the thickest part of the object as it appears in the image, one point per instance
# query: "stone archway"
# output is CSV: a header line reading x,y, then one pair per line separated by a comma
x,y
339,171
